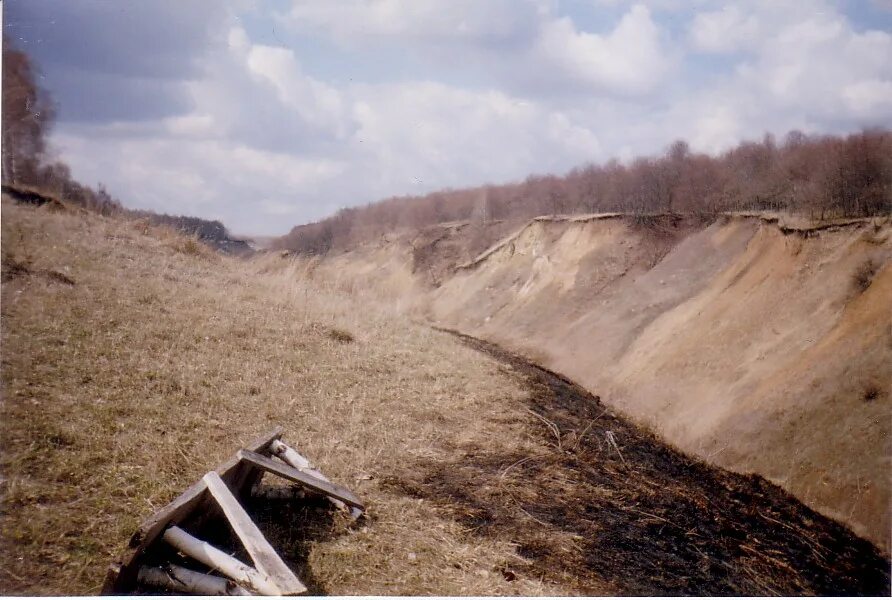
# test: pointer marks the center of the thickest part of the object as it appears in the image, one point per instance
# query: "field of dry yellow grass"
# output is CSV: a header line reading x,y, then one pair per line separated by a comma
x,y
135,360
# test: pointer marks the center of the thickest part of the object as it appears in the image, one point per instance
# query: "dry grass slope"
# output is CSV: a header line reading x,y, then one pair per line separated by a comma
x,y
145,360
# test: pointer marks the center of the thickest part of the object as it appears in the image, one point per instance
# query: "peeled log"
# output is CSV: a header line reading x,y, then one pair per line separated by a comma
x,y
299,462
180,579
233,568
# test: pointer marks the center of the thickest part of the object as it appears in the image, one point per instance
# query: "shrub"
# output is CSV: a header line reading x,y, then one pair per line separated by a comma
x,y
864,274
192,246
872,392
339,335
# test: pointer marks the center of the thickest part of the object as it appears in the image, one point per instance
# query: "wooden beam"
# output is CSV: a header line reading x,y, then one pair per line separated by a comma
x,y
288,472
265,558
112,577
180,579
301,463
121,576
182,505
210,556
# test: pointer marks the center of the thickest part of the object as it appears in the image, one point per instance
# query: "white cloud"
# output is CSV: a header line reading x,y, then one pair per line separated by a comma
x,y
190,125
216,178
716,129
629,60
795,66
351,144
517,43
237,156
351,21
660,5
273,139
822,68
435,134
869,97
315,102
726,30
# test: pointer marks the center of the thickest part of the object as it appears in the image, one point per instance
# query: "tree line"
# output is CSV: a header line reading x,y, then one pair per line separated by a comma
x,y
822,176
28,164
28,116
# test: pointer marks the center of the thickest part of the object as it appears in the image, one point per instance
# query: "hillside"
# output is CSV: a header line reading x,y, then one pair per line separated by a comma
x,y
134,359
211,233
757,345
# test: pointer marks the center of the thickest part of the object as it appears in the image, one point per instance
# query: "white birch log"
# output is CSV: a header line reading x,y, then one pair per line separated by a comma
x,y
180,579
232,567
294,458
299,462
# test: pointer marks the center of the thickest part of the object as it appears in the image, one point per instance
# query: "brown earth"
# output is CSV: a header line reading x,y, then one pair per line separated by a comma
x,y
755,343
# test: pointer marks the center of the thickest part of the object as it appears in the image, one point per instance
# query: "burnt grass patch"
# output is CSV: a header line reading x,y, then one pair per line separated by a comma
x,y
612,509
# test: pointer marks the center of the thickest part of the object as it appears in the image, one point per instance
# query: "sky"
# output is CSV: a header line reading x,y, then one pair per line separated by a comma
x,y
267,114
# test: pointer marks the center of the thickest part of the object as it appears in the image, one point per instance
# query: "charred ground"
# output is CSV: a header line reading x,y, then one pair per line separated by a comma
x,y
613,508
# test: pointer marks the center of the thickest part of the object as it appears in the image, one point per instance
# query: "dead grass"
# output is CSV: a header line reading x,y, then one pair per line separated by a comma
x,y
864,274
190,246
872,391
123,389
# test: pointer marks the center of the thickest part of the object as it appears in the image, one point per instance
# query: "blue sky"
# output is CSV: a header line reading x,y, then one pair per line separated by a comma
x,y
265,114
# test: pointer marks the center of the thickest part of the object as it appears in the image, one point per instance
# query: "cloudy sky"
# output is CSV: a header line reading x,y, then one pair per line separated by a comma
x,y
266,114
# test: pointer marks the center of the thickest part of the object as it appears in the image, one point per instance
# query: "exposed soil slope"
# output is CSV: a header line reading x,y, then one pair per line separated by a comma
x,y
759,346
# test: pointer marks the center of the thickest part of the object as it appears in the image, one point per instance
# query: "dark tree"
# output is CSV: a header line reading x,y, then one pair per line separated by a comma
x,y
27,117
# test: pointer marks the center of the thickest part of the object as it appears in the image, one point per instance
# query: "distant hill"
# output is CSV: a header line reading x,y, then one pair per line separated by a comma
x,y
213,233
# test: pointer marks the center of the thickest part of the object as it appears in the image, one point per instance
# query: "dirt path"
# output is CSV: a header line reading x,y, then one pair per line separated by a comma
x,y
613,509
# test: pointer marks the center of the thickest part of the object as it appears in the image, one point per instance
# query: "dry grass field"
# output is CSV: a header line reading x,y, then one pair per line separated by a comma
x,y
135,359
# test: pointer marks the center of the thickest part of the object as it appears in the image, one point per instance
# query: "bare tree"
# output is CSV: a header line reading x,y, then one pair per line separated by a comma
x,y
27,117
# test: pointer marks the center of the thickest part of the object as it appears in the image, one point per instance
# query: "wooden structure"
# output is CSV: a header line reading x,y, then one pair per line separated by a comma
x,y
221,493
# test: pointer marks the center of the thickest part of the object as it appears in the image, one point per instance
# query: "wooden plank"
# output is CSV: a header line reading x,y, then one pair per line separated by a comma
x,y
174,512
230,566
288,472
265,558
112,576
301,463
122,575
